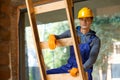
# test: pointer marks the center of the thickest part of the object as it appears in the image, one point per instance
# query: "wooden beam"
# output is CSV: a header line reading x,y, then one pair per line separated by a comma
x,y
74,39
33,25
49,7
38,3
23,6
63,76
60,42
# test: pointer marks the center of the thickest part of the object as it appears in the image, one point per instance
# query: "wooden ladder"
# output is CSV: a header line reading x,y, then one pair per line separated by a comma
x,y
56,5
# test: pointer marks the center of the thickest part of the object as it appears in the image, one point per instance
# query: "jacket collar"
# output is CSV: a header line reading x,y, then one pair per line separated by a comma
x,y
91,32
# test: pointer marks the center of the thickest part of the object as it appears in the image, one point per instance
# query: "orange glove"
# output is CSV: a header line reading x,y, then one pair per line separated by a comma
x,y
52,41
73,72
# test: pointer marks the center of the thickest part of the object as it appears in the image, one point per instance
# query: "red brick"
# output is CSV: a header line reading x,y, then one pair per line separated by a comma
x,y
4,72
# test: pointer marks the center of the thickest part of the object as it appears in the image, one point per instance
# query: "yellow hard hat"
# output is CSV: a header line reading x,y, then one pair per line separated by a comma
x,y
85,12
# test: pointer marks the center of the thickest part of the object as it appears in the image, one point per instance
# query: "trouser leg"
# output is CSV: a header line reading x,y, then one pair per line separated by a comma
x,y
56,71
89,75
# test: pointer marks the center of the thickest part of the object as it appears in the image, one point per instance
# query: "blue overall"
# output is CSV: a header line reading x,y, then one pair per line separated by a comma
x,y
84,50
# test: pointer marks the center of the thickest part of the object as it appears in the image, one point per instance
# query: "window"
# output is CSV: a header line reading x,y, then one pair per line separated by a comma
x,y
117,47
53,59
115,68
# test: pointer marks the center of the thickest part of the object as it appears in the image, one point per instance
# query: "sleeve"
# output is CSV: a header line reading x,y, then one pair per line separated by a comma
x,y
93,54
66,34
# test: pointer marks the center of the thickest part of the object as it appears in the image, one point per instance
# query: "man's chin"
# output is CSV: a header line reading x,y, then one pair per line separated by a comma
x,y
84,27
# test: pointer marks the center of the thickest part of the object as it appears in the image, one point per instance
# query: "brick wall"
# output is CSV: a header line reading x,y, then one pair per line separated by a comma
x,y
4,40
14,45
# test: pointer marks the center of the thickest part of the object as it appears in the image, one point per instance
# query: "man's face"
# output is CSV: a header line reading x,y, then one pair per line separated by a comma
x,y
85,22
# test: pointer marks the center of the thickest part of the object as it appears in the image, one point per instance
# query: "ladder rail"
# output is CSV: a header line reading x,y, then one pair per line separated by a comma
x,y
33,24
74,38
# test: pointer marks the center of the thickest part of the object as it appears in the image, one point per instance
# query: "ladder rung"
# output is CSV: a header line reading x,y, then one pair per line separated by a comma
x,y
49,7
60,42
63,76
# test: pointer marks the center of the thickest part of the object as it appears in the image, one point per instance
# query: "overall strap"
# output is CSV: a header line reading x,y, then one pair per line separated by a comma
x,y
91,38
78,28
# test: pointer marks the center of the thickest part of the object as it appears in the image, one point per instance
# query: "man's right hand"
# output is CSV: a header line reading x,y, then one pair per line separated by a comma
x,y
52,41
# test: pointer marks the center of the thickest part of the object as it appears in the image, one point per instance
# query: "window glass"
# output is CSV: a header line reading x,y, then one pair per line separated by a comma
x,y
115,70
52,58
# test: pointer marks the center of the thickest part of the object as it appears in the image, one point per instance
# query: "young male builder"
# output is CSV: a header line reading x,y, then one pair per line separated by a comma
x,y
89,45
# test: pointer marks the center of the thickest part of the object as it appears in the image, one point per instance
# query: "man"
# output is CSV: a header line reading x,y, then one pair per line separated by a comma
x,y
89,46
